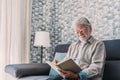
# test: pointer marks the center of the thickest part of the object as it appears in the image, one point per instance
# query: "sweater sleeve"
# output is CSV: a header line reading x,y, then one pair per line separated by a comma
x,y
97,62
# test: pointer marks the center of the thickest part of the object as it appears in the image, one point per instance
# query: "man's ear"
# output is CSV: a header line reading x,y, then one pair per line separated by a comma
x,y
90,29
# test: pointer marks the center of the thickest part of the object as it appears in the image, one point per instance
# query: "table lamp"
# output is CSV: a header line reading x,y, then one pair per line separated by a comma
x,y
42,40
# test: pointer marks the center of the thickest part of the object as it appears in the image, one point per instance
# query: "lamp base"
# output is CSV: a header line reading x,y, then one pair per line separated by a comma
x,y
41,53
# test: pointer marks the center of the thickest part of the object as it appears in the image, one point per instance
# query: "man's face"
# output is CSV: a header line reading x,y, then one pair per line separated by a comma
x,y
82,32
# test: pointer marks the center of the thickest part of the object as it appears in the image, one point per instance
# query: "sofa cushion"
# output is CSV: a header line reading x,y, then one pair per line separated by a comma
x,y
22,70
62,48
58,56
112,49
112,70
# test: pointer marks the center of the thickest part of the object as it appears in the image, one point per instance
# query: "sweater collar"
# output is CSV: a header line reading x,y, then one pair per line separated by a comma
x,y
89,40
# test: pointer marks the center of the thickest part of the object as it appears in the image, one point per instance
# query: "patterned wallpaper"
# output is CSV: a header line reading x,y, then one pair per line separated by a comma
x,y
55,16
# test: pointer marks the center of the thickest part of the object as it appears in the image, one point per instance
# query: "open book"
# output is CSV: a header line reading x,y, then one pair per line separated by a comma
x,y
68,64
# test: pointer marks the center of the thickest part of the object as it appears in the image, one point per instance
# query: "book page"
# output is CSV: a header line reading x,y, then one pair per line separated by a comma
x,y
69,65
56,68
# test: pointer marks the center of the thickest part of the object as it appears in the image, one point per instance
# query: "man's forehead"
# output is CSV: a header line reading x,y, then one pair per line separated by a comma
x,y
79,26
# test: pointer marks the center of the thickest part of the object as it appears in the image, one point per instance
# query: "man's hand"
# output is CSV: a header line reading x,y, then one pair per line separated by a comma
x,y
55,61
68,74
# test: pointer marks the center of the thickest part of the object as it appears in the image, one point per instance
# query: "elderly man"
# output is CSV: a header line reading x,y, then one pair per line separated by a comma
x,y
87,52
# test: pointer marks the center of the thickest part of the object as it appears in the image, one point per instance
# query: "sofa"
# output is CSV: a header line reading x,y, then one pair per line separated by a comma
x,y
37,71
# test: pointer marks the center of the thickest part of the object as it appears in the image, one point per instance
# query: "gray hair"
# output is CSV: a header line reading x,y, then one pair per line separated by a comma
x,y
84,21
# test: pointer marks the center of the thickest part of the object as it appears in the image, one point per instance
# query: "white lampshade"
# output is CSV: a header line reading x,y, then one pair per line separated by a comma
x,y
42,39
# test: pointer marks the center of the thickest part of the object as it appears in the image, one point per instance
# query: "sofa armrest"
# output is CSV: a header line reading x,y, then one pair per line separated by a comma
x,y
20,70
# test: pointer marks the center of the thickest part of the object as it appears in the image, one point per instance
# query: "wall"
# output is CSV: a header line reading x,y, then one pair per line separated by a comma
x,y
55,16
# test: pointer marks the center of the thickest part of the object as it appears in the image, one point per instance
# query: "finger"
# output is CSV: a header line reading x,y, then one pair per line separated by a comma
x,y
63,71
54,61
62,74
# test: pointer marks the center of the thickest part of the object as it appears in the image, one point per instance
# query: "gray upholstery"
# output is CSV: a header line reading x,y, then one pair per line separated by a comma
x,y
112,66
34,78
21,70
111,71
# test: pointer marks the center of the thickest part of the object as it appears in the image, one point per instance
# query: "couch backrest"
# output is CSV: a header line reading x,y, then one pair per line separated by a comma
x,y
112,65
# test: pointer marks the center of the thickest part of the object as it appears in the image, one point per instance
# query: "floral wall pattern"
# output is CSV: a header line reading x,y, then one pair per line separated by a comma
x,y
56,16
